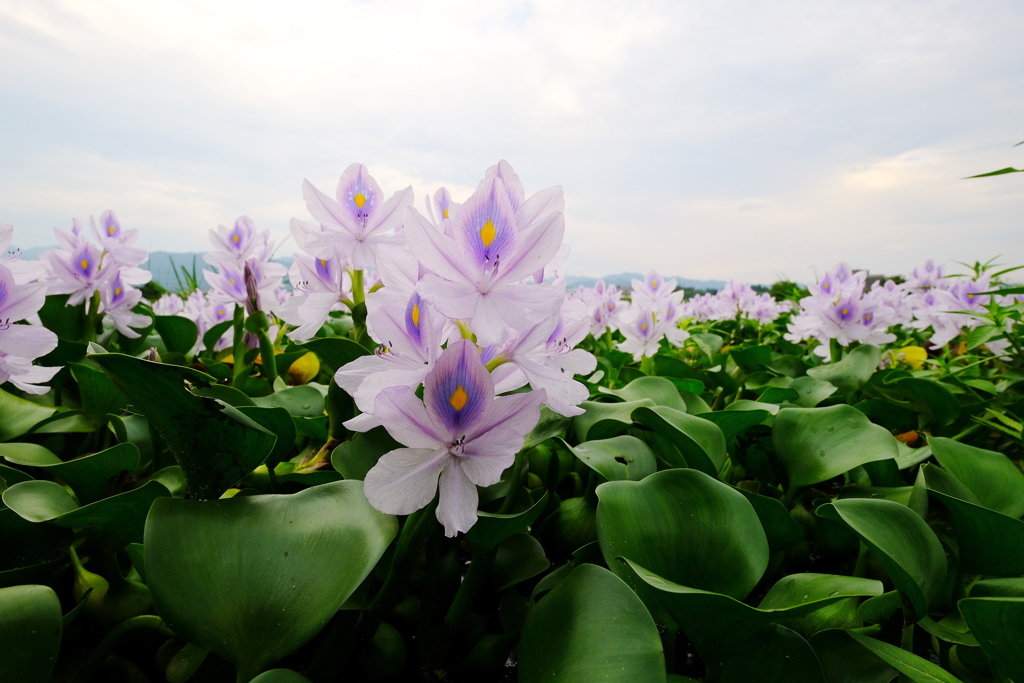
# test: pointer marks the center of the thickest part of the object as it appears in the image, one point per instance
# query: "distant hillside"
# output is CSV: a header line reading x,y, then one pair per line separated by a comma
x,y
165,264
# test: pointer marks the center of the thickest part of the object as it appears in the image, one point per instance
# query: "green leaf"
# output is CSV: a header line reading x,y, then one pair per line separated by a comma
x,y
701,442
99,395
937,406
19,415
89,476
685,526
214,444
720,627
492,528
550,424
300,401
998,624
519,557
178,332
989,542
213,335
990,476
907,663
253,578
354,458
751,358
780,528
816,444
658,389
335,351
902,542
852,372
810,391
709,344
29,548
596,413
591,627
621,457
844,661
778,395
30,633
733,422
280,676
278,422
1001,171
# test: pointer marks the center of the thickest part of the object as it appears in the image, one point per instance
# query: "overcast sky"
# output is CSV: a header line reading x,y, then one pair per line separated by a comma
x,y
729,139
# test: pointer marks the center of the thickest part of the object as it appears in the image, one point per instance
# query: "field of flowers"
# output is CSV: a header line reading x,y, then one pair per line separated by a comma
x,y
425,460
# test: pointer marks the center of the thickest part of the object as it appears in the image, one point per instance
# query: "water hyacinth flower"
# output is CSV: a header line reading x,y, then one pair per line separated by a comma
x,y
117,301
358,221
478,274
20,344
23,271
458,437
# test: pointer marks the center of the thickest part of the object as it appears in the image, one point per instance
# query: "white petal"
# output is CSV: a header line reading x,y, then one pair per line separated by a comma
x,y
404,480
456,508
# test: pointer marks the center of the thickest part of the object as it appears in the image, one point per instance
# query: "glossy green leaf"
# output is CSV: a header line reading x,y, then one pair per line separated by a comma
x,y
300,401
720,627
751,358
991,477
19,415
519,557
686,527
213,443
99,395
811,391
998,624
844,660
852,372
658,389
178,332
621,457
591,627
280,676
935,403
904,544
253,578
733,422
916,668
30,633
213,335
492,528
816,444
89,476
357,456
278,422
989,542
550,424
65,422
700,441
779,526
27,545
335,351
600,412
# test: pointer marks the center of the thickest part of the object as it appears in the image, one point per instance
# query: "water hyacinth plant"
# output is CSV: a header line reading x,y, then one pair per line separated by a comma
x,y
426,460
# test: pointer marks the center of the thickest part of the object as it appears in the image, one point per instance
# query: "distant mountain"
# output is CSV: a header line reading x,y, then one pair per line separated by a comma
x,y
625,281
165,264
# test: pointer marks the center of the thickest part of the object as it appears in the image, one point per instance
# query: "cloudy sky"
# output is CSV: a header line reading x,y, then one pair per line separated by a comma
x,y
731,139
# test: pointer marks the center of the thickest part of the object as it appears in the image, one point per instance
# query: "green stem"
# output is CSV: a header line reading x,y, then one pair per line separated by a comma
x,y
609,342
239,347
267,357
91,318
647,365
835,350
358,292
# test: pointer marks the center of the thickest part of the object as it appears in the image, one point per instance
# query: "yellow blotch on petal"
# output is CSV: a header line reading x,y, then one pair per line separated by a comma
x,y
446,212
914,356
360,200
487,233
305,369
110,230
846,311
84,264
117,291
235,238
654,285
414,315
323,263
458,398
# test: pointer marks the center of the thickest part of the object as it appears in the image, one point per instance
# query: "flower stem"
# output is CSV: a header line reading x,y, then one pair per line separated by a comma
x,y
239,347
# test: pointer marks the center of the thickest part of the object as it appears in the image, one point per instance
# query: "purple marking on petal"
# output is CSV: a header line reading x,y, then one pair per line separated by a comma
x,y
843,273
117,291
241,234
486,224
358,193
458,388
234,278
846,309
414,314
85,261
111,226
6,287
826,285
325,271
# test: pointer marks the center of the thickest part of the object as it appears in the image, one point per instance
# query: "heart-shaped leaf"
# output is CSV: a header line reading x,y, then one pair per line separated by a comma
x,y
853,371
701,442
253,578
214,444
30,633
998,624
816,444
621,457
591,627
990,476
658,389
905,545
